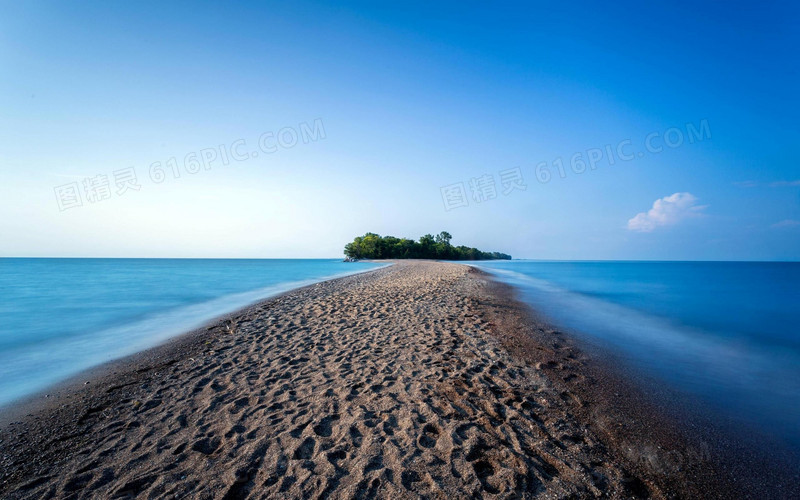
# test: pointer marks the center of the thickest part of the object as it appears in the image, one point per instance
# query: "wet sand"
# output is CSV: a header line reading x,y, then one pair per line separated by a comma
x,y
418,380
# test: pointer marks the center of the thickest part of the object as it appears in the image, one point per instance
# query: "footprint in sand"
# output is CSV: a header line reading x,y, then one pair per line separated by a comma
x,y
430,434
306,450
324,428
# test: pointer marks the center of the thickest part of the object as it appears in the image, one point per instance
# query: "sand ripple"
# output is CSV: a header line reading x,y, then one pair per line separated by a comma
x,y
379,385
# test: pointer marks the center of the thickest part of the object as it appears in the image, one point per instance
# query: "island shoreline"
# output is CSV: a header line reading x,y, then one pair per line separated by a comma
x,y
73,385
659,464
669,434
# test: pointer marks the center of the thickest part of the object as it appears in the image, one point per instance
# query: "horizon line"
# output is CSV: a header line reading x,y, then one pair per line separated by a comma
x,y
442,260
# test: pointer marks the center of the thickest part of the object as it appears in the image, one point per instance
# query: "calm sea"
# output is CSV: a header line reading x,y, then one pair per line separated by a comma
x,y
61,316
727,333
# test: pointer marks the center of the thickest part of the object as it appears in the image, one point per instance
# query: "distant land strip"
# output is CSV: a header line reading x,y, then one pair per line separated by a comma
x,y
375,246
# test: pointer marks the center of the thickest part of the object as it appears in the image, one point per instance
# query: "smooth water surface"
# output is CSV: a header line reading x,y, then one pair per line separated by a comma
x,y
727,332
61,316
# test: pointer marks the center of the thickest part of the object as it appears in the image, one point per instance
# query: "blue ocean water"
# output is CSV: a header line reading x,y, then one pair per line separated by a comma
x,y
61,316
727,333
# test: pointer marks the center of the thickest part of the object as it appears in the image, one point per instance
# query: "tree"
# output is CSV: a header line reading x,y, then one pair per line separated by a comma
x,y
427,246
374,246
369,246
443,249
444,237
353,250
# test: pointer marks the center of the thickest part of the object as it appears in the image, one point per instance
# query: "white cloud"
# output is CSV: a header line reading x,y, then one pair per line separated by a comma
x,y
786,223
784,183
666,211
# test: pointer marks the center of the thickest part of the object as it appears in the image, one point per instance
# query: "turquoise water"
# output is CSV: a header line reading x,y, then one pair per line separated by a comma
x,y
61,316
727,333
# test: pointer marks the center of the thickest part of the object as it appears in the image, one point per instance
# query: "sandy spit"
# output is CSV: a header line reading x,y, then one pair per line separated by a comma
x,y
420,380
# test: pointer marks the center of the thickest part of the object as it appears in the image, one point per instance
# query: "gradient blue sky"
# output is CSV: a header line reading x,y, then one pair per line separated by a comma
x,y
412,97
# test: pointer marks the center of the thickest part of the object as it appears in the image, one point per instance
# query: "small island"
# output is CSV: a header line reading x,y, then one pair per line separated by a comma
x,y
375,246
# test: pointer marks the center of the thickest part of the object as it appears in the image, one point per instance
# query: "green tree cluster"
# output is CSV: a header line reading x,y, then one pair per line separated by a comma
x,y
375,246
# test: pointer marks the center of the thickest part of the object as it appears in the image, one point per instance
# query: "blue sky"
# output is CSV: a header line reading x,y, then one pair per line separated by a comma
x,y
407,99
